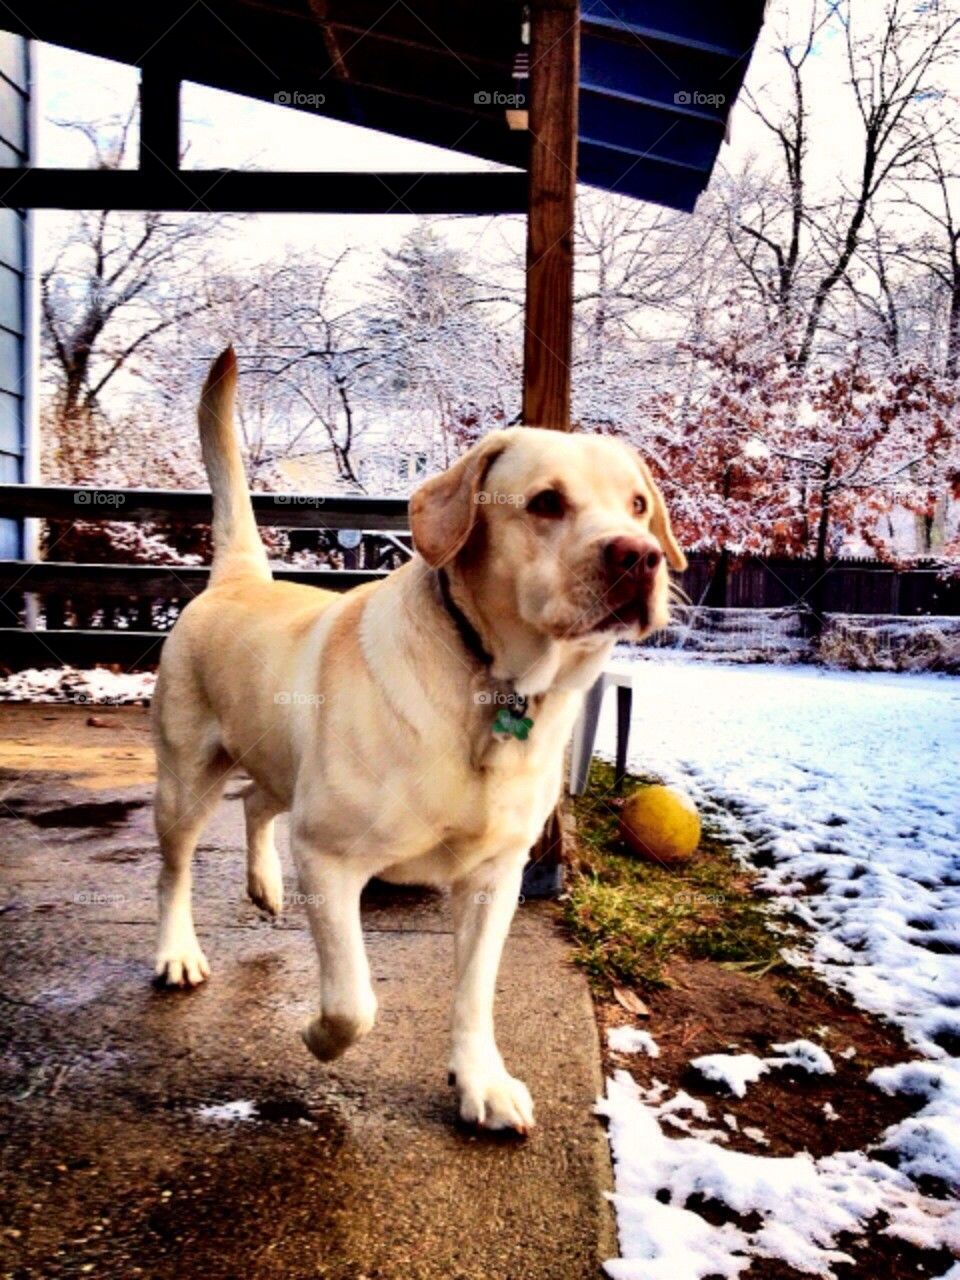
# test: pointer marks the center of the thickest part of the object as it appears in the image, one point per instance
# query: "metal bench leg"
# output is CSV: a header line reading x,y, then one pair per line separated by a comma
x,y
624,709
584,736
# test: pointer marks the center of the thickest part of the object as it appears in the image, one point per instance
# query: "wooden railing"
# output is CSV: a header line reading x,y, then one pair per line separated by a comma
x,y
281,510
133,605
112,595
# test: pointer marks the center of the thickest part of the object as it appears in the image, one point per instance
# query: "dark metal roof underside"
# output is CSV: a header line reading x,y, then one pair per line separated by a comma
x,y
658,77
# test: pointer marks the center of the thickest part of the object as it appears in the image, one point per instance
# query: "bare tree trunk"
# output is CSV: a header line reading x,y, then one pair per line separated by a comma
x,y
818,591
952,364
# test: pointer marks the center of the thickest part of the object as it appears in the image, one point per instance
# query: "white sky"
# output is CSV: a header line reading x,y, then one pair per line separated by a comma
x,y
224,130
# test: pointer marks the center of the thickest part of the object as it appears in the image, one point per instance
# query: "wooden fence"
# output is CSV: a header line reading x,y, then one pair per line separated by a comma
x,y
849,586
119,613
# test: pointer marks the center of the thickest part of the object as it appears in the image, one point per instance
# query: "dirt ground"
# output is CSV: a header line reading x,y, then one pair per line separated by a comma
x,y
112,1164
111,753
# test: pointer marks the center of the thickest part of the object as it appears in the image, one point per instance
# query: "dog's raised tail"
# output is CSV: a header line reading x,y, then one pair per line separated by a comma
x,y
237,549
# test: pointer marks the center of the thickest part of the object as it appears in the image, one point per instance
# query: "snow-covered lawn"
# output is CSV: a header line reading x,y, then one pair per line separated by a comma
x,y
845,790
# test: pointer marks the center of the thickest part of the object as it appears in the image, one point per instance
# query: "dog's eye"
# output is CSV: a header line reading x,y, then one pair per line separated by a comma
x,y
549,503
639,505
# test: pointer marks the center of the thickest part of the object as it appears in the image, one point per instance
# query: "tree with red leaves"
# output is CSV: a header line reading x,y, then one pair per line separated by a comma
x,y
758,457
864,443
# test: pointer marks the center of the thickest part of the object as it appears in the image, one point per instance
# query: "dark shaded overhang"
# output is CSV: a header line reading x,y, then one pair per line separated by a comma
x,y
657,79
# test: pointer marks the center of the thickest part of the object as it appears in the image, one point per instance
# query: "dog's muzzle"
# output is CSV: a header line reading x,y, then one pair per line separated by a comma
x,y
631,567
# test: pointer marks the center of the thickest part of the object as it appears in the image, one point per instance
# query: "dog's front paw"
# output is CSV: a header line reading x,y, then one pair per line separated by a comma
x,y
183,965
493,1099
329,1035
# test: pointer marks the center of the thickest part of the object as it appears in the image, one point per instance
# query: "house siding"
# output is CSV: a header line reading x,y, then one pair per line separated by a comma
x,y
14,293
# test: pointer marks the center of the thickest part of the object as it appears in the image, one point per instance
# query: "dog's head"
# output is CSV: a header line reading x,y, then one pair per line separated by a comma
x,y
567,533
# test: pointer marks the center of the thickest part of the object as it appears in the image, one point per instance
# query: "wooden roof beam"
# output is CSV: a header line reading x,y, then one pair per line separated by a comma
x,y
243,191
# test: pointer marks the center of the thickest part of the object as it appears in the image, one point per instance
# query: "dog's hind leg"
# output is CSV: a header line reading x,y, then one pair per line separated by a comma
x,y
264,875
187,793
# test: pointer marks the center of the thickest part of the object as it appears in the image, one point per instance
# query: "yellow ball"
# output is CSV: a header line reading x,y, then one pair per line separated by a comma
x,y
660,824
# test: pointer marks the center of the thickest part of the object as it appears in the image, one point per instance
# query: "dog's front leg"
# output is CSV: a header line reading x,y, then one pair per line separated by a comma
x,y
483,904
331,886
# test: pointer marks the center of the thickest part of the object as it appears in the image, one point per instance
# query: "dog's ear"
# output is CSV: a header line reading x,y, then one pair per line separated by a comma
x,y
660,525
444,509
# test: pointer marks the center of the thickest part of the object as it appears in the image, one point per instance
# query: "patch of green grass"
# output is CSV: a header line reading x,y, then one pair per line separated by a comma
x,y
630,917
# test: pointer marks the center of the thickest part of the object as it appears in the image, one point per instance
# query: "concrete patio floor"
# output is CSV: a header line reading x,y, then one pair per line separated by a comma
x,y
111,1167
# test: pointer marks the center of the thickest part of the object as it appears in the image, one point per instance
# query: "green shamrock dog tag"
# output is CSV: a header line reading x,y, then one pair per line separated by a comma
x,y
508,722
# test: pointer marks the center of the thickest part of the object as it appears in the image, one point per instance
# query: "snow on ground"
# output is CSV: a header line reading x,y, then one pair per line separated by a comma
x,y
632,1040
732,1070
844,790
737,1070
97,687
848,789
228,1112
804,1205
805,1056
927,1142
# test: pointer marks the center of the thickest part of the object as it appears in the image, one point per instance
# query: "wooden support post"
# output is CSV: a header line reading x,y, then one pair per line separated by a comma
x,y
548,325
548,322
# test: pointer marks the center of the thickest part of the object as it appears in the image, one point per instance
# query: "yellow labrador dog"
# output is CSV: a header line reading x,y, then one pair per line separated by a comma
x,y
413,728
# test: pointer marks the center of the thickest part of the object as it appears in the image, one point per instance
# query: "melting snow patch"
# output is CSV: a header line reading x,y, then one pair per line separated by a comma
x,y
805,1205
682,1112
664,1243
756,1135
655,1093
95,687
632,1040
927,1143
805,1055
736,1070
681,1101
733,1070
228,1112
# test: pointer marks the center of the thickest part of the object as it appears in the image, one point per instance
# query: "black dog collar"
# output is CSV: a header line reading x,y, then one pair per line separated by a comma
x,y
466,630
511,719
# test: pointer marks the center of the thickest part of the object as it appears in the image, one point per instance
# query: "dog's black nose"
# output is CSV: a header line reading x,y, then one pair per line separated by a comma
x,y
631,561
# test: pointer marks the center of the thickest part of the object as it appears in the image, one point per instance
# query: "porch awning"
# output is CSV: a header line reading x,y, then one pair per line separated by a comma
x,y
657,78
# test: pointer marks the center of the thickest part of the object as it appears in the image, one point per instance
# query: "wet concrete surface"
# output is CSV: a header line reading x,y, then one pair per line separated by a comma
x,y
120,1155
